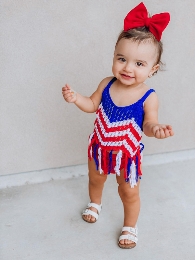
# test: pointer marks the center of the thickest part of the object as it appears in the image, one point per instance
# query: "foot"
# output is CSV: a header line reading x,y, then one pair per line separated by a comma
x,y
124,242
89,218
91,213
128,238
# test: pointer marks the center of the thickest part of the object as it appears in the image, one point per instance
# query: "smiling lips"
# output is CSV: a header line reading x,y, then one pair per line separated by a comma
x,y
126,76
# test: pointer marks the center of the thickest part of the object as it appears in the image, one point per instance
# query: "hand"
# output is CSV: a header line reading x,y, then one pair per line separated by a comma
x,y
69,94
162,131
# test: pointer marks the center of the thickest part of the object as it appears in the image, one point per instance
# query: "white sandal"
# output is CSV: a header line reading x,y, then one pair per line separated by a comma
x,y
87,211
133,232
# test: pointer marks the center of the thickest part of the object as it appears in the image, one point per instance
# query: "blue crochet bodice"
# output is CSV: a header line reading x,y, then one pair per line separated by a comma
x,y
115,113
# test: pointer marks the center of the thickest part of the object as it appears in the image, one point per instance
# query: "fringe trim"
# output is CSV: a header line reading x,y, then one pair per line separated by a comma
x,y
128,169
132,180
132,166
118,162
90,155
110,162
100,160
95,156
104,159
125,168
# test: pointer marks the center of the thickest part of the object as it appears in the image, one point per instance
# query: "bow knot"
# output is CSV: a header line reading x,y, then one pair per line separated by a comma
x,y
147,21
138,17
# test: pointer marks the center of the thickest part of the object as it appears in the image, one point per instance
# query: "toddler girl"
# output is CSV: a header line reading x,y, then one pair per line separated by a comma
x,y
125,107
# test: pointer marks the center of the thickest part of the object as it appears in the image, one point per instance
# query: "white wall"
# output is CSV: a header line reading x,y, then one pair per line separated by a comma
x,y
45,44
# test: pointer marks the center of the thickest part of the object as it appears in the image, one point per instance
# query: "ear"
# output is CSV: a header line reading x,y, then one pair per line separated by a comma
x,y
153,70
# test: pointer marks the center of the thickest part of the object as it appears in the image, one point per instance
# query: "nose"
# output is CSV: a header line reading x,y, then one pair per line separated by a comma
x,y
128,67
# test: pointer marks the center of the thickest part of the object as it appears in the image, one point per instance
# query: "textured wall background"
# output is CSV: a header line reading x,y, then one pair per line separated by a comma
x,y
45,44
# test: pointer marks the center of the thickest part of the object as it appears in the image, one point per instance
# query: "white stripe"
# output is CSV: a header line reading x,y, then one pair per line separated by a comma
x,y
118,162
100,160
90,138
118,133
119,123
132,180
116,143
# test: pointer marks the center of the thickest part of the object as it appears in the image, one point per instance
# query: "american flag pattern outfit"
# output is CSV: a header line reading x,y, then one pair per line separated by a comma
x,y
118,129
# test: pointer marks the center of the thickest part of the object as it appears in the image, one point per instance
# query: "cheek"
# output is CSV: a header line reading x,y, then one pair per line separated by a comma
x,y
114,67
113,71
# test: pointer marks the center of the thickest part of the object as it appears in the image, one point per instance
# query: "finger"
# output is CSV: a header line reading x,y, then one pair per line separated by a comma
x,y
157,134
167,133
162,133
67,95
68,92
155,129
70,97
171,132
66,87
162,126
169,127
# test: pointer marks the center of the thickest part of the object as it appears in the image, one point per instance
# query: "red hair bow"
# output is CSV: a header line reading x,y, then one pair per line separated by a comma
x,y
138,17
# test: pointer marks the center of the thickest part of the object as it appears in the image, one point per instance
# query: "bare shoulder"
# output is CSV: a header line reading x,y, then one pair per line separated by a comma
x,y
151,108
152,99
104,83
97,95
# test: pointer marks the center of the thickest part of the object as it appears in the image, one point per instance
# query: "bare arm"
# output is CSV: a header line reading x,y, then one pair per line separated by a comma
x,y
86,104
151,127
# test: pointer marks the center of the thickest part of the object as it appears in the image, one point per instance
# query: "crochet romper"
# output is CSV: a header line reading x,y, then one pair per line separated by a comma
x,y
118,129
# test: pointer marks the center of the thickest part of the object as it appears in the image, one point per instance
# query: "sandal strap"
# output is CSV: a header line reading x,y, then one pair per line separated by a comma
x,y
96,206
90,212
129,237
131,230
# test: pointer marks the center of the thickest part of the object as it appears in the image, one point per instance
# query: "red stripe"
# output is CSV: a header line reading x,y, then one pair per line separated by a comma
x,y
116,139
118,128
101,116
125,167
105,162
139,163
119,138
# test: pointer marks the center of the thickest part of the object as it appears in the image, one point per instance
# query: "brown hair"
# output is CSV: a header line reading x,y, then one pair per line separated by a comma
x,y
142,34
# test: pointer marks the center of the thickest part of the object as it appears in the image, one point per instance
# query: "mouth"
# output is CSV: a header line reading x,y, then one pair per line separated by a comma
x,y
126,76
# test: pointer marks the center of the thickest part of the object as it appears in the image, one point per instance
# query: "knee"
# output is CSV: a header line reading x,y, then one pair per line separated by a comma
x,y
97,179
127,193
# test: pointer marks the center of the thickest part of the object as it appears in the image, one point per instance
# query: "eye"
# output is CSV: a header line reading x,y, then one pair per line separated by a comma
x,y
139,64
122,59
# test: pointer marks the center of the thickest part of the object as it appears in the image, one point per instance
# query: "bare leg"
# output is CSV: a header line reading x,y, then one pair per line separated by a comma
x,y
96,185
131,204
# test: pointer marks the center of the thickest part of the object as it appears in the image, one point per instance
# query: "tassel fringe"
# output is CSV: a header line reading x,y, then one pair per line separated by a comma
x,y
132,166
118,162
100,160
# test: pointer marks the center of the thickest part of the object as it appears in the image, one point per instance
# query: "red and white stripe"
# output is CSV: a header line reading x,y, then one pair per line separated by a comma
x,y
123,135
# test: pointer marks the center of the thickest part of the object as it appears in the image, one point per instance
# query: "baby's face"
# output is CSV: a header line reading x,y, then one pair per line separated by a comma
x,y
134,62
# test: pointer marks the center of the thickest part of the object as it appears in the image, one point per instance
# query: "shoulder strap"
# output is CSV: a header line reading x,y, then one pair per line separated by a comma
x,y
110,82
147,94
105,92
